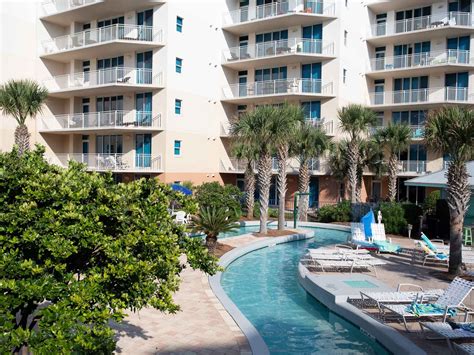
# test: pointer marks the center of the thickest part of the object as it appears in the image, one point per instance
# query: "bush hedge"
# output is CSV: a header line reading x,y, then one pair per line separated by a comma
x,y
215,195
335,213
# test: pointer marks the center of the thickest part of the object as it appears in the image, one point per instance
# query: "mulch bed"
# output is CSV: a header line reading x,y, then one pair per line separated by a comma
x,y
221,249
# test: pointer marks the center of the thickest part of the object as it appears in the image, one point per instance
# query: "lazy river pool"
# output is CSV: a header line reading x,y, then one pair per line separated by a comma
x,y
264,286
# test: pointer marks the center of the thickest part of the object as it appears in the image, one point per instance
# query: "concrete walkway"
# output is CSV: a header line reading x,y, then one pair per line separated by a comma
x,y
201,327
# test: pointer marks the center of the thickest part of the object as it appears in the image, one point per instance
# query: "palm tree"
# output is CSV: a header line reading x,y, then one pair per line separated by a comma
x,y
355,121
247,153
22,99
395,138
255,128
450,131
285,123
212,221
310,142
337,162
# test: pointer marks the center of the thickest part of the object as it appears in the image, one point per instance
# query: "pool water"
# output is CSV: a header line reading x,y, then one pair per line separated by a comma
x,y
243,230
264,286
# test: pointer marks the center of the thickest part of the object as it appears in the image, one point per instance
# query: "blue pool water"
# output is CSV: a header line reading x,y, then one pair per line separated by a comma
x,y
264,286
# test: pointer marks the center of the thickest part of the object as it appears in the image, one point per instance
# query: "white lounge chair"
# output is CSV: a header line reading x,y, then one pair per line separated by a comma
x,y
445,330
339,265
451,299
181,217
464,349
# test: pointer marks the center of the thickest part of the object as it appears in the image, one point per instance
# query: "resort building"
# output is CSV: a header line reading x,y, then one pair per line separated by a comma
x,y
150,87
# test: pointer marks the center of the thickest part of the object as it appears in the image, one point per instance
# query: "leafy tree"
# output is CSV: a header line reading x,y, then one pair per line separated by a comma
x,y
450,131
247,153
212,221
255,128
285,123
78,250
22,99
355,120
309,143
395,138
213,194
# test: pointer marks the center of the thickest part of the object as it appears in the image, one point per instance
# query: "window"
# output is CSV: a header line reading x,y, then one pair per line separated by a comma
x,y
179,24
179,65
344,75
177,106
177,148
312,110
345,37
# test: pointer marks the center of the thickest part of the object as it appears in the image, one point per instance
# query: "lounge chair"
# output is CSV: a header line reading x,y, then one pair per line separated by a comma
x,y
380,239
355,263
450,331
358,237
400,296
446,305
431,253
464,349
181,217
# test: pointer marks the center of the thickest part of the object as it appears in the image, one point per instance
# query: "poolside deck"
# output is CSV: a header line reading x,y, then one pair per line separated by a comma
x,y
399,269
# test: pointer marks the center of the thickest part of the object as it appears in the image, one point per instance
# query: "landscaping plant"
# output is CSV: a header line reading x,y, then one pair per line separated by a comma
x,y
213,194
78,251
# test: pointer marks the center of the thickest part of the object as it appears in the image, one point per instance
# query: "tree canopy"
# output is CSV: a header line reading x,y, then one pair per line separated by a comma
x,y
77,251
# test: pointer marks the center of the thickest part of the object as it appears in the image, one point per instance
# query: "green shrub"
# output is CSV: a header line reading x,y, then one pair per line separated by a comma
x,y
429,206
215,195
393,217
412,215
273,212
335,213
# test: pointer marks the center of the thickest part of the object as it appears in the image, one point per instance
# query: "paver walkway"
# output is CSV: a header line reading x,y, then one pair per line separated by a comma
x,y
201,327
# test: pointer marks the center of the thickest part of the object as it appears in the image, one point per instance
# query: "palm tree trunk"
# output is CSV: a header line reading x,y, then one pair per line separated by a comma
x,y
392,177
353,157
303,187
249,189
264,181
22,138
211,243
282,185
458,195
359,187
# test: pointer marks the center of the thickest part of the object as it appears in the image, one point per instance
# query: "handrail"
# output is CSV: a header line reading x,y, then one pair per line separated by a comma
x,y
276,48
438,94
111,161
449,56
453,18
250,13
101,35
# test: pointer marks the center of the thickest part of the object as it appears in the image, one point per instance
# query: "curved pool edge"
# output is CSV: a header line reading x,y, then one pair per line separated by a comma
x,y
256,342
390,338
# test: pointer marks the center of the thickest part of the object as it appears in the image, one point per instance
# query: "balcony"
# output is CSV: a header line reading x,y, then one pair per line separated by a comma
x,y
283,14
64,12
326,126
301,50
293,88
117,163
417,131
422,97
413,29
104,82
102,42
412,167
419,63
236,166
116,121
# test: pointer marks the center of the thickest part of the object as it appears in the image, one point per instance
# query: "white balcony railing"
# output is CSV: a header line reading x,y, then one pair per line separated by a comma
x,y
111,162
251,13
276,48
50,7
412,166
426,59
278,87
101,35
446,164
112,76
101,120
461,19
429,95
239,166
325,126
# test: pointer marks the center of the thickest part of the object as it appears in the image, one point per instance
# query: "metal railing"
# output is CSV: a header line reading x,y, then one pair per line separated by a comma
x,y
251,13
279,87
111,161
101,35
326,126
276,48
454,18
117,75
50,7
412,166
442,94
425,59
239,166
103,119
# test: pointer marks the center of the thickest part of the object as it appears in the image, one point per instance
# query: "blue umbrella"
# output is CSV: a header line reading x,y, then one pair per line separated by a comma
x,y
181,188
